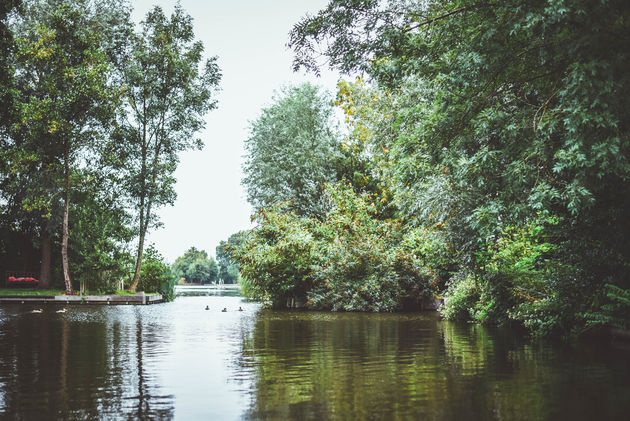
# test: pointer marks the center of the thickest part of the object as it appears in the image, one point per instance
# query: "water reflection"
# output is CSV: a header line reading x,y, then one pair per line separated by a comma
x,y
79,365
180,361
360,366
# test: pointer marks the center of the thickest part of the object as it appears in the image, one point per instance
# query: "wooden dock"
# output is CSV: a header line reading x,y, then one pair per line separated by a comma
x,y
138,299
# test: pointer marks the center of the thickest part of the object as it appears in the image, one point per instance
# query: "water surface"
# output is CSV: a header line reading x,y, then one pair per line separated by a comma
x,y
180,361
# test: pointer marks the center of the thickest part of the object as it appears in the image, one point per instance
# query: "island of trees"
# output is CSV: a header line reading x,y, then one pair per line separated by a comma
x,y
484,156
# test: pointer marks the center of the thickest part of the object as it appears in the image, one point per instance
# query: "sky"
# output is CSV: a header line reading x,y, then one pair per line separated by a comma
x,y
249,37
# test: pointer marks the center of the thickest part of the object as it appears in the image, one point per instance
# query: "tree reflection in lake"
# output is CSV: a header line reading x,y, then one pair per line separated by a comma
x,y
180,361
410,366
75,366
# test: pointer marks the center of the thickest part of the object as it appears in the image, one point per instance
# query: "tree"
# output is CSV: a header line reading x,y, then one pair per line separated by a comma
x,y
157,275
291,151
228,268
101,250
167,98
7,49
348,261
68,100
196,267
510,134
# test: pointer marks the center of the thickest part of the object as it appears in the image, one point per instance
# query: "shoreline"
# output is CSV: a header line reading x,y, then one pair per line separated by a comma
x,y
139,299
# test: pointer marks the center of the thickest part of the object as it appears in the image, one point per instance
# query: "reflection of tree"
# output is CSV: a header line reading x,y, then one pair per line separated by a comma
x,y
63,367
359,366
344,366
143,403
87,367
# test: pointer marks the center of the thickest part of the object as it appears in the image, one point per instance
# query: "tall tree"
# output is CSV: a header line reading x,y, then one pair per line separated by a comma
x,y
511,135
168,94
68,100
7,48
291,151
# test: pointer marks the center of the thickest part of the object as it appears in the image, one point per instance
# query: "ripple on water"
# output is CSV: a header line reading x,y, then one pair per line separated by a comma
x,y
178,360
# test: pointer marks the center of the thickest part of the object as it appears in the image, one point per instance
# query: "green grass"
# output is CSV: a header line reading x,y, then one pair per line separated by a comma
x,y
30,291
123,292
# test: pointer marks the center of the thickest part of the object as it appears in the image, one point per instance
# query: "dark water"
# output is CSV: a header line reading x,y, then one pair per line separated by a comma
x,y
180,361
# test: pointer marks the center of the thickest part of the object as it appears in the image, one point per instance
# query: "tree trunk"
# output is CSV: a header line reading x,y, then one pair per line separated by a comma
x,y
136,275
65,235
144,221
44,269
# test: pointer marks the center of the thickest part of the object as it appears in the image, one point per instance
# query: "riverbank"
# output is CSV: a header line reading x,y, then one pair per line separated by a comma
x,y
37,297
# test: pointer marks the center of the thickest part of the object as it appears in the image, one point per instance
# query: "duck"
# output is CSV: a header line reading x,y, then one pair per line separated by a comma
x,y
37,310
224,310
240,309
207,308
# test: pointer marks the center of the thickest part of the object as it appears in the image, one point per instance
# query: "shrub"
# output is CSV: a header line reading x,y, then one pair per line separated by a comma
x,y
460,299
156,275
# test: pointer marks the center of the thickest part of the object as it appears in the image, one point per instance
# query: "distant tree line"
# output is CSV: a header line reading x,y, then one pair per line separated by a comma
x,y
195,266
94,114
484,156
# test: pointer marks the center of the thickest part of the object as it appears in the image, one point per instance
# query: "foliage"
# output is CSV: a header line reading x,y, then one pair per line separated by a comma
x,y
364,151
275,259
228,269
196,267
67,100
156,275
7,48
168,93
615,309
291,150
350,261
505,125
460,299
101,230
70,174
362,264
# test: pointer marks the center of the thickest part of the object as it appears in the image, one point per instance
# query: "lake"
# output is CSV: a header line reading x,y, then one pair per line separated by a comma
x,y
180,361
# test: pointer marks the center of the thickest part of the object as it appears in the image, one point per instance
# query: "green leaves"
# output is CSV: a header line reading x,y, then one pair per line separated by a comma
x,y
348,261
291,151
168,91
196,267
501,116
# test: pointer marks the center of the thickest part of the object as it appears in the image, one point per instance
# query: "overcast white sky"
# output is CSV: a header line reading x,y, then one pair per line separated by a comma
x,y
249,37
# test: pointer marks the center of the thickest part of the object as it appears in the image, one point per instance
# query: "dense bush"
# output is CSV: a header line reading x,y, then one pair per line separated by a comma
x,y
156,275
276,258
350,261
614,309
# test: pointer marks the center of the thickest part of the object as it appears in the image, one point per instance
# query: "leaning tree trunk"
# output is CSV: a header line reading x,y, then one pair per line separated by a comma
x,y
65,235
143,191
136,275
44,269
144,223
